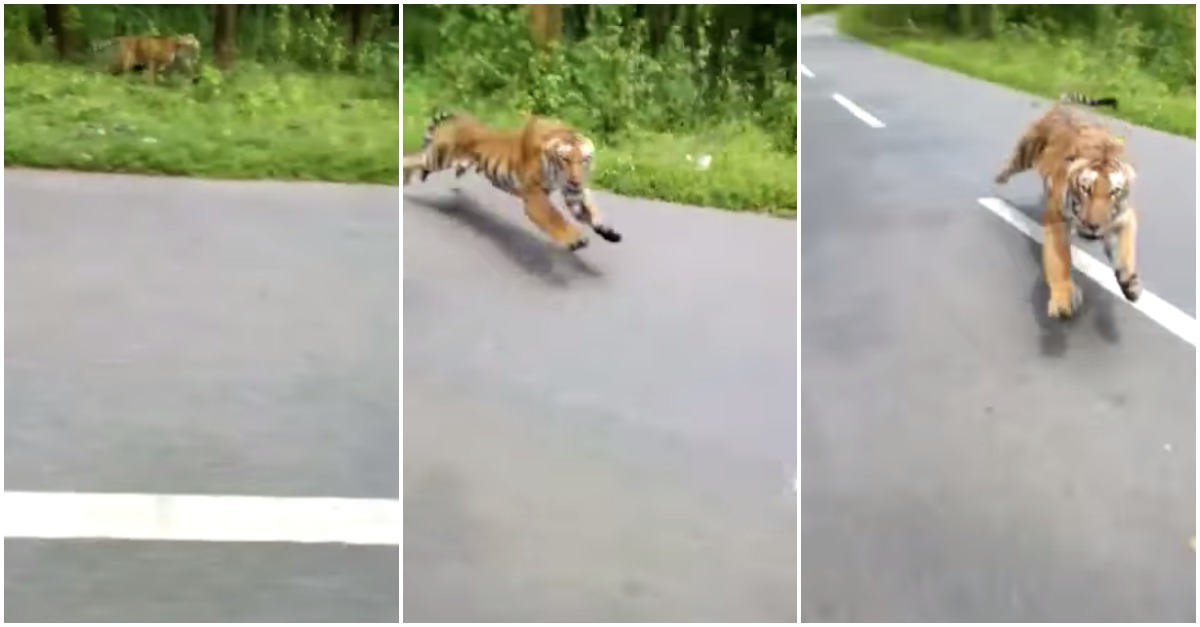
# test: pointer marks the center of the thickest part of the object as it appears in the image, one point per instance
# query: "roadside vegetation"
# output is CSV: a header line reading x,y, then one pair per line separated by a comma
x,y
661,89
1144,55
283,92
813,9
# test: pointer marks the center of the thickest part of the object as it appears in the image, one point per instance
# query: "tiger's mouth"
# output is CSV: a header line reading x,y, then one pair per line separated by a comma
x,y
1090,233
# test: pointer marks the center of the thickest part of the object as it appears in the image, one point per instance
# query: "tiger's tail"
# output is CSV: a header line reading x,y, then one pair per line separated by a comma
x,y
437,120
1077,98
432,161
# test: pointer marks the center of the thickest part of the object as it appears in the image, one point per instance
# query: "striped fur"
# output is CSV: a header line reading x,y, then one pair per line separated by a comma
x,y
531,163
1087,184
1077,98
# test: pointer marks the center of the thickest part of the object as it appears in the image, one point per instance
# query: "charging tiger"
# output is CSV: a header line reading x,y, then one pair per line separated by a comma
x,y
1087,183
530,162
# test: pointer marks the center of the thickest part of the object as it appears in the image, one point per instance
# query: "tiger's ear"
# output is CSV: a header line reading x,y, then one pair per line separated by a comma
x,y
1130,173
585,145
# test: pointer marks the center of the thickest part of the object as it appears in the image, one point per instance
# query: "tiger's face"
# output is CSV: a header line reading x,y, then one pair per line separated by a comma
x,y
188,46
1097,196
188,41
574,153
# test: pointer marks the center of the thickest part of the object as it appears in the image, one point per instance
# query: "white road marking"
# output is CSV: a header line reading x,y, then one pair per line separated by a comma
x,y
858,112
1155,308
57,515
807,72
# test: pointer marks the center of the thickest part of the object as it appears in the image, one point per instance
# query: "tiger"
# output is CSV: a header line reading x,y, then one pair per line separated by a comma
x,y
1086,182
153,53
530,162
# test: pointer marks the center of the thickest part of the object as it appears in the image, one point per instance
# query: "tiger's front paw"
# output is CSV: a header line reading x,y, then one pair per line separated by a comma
x,y
1131,287
1064,301
607,232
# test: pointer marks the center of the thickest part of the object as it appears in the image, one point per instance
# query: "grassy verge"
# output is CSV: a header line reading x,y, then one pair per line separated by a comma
x,y
745,173
1048,68
251,123
813,9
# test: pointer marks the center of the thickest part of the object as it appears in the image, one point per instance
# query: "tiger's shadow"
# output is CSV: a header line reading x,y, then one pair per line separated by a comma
x,y
1097,302
555,266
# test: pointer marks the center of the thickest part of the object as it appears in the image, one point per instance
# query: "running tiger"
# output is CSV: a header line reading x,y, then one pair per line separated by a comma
x,y
530,162
153,53
1086,183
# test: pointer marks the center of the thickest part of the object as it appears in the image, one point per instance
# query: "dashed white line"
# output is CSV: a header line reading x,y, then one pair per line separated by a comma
x,y
858,112
1155,308
59,515
807,72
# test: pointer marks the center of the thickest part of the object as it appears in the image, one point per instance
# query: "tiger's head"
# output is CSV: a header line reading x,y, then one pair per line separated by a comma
x,y
189,43
1097,195
573,152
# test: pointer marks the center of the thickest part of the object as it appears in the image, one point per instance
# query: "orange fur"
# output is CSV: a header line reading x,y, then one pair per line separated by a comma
x,y
155,53
1087,183
448,142
529,162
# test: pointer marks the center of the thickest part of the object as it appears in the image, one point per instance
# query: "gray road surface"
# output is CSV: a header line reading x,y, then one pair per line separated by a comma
x,y
180,336
608,436
965,459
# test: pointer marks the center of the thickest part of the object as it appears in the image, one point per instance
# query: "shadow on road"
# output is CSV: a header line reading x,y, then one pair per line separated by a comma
x,y
1053,338
540,258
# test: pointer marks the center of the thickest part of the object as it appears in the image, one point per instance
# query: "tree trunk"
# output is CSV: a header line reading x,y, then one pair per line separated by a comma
x,y
63,41
358,20
223,34
545,22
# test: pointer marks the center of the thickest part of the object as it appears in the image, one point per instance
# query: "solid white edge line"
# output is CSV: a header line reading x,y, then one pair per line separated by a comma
x,y
807,72
858,111
1155,308
207,518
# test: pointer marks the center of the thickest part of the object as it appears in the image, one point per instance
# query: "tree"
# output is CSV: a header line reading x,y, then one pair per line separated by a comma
x,y
63,38
357,15
545,22
223,34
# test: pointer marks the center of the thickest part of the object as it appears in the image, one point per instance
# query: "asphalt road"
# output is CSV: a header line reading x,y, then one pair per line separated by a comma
x,y
181,336
606,436
963,458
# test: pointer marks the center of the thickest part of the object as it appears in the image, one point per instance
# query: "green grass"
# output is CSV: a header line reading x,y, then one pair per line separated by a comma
x,y
813,9
251,123
745,174
1049,68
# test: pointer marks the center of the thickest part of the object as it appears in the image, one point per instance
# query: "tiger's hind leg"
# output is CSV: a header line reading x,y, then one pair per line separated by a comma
x,y
1121,249
1020,160
542,213
461,165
